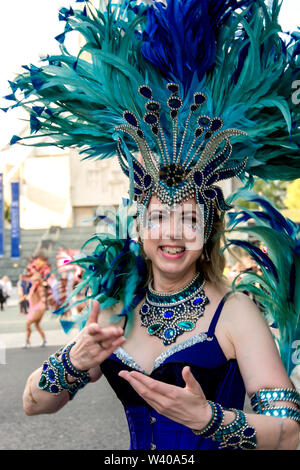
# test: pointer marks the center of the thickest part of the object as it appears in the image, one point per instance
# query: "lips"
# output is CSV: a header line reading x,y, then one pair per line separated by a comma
x,y
172,251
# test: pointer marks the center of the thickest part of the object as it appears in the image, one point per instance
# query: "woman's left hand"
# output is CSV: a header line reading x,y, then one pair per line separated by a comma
x,y
187,406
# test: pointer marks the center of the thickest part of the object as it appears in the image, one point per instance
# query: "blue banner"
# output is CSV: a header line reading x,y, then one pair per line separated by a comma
x,y
1,216
15,221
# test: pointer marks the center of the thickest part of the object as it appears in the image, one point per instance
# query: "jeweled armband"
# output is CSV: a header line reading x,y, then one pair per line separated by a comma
x,y
263,403
265,397
54,375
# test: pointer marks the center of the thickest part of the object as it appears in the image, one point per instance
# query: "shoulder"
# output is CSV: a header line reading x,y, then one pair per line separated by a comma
x,y
243,318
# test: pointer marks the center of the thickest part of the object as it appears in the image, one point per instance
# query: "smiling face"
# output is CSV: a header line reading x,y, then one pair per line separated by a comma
x,y
173,237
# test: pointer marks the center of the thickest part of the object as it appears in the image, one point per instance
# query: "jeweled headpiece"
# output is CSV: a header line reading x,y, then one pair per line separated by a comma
x,y
184,167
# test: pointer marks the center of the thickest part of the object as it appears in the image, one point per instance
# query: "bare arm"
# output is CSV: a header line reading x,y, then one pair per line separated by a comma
x,y
87,354
261,367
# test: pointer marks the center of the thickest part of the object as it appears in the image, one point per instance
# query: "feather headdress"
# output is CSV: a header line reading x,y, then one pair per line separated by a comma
x,y
208,72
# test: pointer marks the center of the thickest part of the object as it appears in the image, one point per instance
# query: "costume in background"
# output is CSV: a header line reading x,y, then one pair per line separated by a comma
x,y
188,93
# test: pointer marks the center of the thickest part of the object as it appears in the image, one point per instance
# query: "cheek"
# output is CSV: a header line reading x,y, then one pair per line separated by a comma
x,y
149,246
151,233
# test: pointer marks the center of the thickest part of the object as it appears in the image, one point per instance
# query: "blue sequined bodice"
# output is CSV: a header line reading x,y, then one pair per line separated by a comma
x,y
219,378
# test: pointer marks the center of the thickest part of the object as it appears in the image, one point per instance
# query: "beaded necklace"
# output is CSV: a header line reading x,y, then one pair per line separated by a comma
x,y
169,315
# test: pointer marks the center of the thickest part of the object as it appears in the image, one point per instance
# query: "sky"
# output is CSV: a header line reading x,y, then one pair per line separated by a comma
x,y
27,31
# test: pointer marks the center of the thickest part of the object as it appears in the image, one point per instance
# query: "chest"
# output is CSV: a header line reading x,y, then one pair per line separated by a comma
x,y
147,351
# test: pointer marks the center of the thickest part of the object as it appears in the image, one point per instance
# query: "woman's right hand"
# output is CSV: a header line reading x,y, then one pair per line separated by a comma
x,y
93,345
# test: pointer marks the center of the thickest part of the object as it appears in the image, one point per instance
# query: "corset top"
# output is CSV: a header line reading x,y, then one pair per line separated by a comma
x,y
219,378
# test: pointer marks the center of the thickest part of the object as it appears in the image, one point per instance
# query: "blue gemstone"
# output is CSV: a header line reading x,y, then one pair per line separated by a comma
x,y
198,301
150,118
45,366
210,193
130,118
173,87
216,124
147,181
186,325
138,169
51,375
146,91
137,180
145,308
169,314
204,121
174,103
200,98
198,178
198,132
140,134
54,389
169,333
248,432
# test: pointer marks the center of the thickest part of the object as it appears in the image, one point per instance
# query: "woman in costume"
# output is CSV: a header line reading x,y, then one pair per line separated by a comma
x,y
37,298
183,348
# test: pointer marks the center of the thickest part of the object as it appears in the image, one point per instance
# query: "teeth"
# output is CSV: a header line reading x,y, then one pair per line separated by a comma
x,y
170,250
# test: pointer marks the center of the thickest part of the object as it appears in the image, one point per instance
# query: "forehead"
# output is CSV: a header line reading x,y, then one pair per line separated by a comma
x,y
188,205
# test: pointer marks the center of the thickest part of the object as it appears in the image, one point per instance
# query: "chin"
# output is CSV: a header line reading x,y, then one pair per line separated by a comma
x,y
178,267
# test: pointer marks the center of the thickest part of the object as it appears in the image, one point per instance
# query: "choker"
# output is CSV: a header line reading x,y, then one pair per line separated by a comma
x,y
169,315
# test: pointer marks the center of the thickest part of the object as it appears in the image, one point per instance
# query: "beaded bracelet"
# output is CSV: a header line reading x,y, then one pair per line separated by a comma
x,y
214,423
264,397
70,368
236,435
54,377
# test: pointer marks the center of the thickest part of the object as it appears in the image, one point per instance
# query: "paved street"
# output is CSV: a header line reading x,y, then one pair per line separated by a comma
x,y
93,420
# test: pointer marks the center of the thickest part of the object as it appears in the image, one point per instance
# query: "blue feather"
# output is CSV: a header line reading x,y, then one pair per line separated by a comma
x,y
180,38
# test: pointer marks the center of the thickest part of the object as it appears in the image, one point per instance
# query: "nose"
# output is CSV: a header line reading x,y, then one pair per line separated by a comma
x,y
172,228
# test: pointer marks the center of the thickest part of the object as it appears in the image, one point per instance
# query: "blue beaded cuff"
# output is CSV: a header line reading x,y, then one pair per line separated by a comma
x,y
237,435
71,370
265,398
214,423
54,377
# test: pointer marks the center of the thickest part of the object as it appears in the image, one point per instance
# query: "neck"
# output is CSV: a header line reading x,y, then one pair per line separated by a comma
x,y
165,283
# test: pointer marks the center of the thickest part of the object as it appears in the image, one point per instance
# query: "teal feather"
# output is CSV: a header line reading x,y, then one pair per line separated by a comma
x,y
114,272
276,291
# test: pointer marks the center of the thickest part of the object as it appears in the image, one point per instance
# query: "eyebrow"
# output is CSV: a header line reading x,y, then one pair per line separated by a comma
x,y
162,210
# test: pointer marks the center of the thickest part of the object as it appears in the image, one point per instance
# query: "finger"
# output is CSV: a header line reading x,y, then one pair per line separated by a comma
x,y
107,336
191,383
105,353
102,334
155,385
93,317
93,329
152,388
152,398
